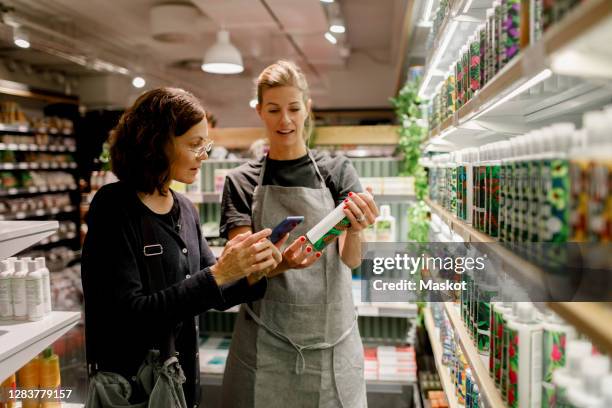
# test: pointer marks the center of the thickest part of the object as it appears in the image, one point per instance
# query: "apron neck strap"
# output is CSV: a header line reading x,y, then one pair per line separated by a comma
x,y
260,178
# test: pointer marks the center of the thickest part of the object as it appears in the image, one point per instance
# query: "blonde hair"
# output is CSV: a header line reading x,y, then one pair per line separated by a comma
x,y
286,73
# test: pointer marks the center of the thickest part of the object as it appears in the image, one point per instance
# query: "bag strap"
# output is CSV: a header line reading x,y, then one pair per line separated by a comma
x,y
152,249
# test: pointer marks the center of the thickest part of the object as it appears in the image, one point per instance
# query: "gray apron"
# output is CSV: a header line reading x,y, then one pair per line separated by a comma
x,y
299,346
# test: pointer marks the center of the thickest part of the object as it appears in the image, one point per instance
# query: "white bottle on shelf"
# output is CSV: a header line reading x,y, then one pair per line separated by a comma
x,y
18,289
34,293
593,370
569,376
6,297
42,267
525,345
385,225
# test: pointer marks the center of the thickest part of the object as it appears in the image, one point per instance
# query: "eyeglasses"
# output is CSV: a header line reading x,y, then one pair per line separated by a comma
x,y
199,152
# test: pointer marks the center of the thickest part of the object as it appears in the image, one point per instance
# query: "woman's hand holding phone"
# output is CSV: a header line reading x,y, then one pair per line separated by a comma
x,y
247,254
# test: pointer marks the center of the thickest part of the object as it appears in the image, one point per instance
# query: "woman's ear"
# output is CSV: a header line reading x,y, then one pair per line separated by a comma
x,y
258,109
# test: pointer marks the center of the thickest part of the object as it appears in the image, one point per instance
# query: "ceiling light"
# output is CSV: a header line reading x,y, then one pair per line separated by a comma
x,y
138,82
223,57
253,103
337,26
327,1
329,37
20,38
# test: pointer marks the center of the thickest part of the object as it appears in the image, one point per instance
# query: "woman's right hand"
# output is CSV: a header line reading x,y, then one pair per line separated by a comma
x,y
298,255
244,255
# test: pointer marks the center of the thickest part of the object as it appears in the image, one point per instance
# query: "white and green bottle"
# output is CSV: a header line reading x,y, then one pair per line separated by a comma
x,y
524,359
385,225
6,297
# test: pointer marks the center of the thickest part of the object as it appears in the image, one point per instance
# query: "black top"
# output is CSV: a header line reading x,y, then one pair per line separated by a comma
x,y
122,319
338,172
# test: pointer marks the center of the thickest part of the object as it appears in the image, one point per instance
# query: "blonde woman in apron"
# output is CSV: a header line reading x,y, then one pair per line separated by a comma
x,y
300,345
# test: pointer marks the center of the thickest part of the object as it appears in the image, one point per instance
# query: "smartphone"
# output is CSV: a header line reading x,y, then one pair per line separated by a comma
x,y
285,226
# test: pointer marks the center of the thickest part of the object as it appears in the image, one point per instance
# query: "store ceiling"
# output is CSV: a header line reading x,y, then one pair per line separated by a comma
x,y
263,30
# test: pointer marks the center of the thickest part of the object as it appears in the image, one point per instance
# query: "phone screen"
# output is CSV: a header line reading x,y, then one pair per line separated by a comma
x,y
285,226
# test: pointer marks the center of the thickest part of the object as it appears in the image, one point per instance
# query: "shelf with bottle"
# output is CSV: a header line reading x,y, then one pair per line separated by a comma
x,y
32,147
15,236
470,109
22,341
586,316
443,371
38,190
51,165
23,215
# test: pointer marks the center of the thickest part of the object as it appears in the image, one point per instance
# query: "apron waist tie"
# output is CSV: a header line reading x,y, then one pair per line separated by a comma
x,y
300,361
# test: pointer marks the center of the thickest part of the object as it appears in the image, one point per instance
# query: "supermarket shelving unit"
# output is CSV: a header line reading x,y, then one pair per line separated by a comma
x,y
574,46
22,341
34,99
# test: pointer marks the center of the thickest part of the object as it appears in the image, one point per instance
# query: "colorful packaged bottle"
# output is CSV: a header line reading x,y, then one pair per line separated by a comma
x,y
328,229
556,335
524,359
487,289
475,68
511,31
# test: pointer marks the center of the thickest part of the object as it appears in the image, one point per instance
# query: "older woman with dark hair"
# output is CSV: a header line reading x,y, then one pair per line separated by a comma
x,y
142,233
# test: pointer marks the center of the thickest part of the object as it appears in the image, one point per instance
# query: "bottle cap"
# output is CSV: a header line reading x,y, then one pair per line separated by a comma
x,y
385,211
595,123
593,368
32,266
40,262
20,266
575,352
525,312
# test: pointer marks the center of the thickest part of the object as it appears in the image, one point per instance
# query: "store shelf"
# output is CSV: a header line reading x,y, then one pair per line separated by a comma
x,y
57,238
586,316
22,341
35,148
37,190
496,110
443,371
481,373
36,166
16,236
24,215
27,130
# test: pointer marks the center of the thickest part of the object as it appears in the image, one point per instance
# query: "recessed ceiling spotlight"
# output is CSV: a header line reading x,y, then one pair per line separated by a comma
x,y
329,37
138,82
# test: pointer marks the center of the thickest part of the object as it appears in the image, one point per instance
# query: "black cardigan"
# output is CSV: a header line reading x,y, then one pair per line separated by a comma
x,y
122,320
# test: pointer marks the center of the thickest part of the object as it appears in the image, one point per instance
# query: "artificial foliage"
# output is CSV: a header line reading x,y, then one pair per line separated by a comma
x,y
412,133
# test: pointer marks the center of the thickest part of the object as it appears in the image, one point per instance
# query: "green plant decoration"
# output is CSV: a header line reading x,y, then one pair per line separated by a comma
x,y
412,133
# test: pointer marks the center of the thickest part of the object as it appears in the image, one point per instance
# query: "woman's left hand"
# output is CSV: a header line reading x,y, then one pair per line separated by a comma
x,y
361,210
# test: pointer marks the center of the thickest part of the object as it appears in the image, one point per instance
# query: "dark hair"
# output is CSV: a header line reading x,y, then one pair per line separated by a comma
x,y
141,143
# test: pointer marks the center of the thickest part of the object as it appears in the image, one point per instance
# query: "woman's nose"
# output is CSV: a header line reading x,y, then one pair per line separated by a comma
x,y
285,118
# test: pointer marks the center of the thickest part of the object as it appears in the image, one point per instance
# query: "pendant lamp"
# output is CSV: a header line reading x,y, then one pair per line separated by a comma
x,y
223,57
